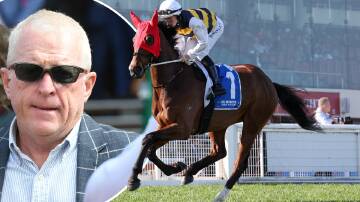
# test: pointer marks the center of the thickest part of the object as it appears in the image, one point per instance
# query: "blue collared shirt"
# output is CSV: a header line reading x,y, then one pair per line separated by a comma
x,y
323,118
54,181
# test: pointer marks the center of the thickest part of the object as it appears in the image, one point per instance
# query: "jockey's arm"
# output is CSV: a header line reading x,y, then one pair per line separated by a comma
x,y
200,31
180,44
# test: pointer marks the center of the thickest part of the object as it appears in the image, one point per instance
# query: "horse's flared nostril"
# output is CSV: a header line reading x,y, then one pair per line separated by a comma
x,y
136,72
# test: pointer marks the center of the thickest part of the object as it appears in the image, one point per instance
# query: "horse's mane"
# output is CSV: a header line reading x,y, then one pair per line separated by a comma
x,y
169,33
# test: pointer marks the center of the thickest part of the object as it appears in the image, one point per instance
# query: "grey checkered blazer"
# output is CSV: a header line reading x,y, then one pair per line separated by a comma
x,y
96,144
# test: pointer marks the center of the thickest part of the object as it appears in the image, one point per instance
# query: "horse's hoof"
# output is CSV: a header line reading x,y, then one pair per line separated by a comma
x,y
180,166
221,196
133,184
187,179
219,200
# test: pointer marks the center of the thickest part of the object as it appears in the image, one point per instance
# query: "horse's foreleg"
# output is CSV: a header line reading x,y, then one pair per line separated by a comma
x,y
170,132
166,169
218,151
134,182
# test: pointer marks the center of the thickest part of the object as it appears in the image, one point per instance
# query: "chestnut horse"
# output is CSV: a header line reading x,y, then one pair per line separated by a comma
x,y
177,105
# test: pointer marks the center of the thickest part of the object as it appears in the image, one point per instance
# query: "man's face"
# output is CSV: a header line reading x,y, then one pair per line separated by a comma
x,y
326,107
171,21
45,108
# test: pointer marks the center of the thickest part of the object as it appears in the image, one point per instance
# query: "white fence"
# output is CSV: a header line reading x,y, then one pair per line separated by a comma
x,y
281,152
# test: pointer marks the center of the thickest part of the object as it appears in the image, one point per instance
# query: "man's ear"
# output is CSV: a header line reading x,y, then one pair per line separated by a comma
x,y
89,84
5,77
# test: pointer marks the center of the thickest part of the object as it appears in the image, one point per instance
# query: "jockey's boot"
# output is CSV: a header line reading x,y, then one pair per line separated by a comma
x,y
211,69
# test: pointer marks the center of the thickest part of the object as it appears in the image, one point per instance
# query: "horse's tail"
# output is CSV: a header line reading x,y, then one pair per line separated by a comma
x,y
296,107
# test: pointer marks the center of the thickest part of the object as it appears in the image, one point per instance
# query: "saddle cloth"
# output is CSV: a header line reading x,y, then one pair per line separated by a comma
x,y
230,80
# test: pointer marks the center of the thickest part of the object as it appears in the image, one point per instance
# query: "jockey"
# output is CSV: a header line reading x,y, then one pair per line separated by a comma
x,y
200,29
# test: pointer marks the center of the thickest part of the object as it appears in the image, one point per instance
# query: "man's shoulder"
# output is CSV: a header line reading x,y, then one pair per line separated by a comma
x,y
5,122
321,113
112,136
118,133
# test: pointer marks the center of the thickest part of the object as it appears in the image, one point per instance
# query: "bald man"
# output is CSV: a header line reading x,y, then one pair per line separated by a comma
x,y
50,149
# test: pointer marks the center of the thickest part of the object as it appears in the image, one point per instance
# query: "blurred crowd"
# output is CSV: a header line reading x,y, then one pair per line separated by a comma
x,y
311,48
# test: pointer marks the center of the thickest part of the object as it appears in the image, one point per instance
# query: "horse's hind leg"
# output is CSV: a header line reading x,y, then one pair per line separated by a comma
x,y
218,151
251,127
166,169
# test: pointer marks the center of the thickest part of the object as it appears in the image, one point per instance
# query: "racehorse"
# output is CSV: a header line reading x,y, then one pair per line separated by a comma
x,y
177,105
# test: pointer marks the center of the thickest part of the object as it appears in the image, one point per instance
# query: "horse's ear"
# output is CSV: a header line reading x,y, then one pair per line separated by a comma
x,y
135,19
154,19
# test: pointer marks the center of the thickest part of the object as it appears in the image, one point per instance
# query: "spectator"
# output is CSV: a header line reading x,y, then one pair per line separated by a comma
x,y
51,147
14,11
111,44
322,113
111,41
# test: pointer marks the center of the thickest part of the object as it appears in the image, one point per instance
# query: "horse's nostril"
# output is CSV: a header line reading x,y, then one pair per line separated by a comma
x,y
138,71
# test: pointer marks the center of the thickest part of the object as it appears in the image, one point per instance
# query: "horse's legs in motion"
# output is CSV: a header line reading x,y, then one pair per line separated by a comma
x,y
170,132
166,169
218,151
251,127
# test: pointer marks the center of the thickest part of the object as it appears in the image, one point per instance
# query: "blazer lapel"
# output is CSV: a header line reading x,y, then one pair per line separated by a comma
x,y
91,142
4,151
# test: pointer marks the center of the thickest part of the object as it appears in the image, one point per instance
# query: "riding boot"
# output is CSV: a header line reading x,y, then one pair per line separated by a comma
x,y
211,69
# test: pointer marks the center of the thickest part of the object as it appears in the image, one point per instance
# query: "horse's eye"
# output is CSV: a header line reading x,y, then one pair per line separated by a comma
x,y
149,39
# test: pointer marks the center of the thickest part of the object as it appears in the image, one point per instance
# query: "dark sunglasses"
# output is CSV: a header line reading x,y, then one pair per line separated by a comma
x,y
61,74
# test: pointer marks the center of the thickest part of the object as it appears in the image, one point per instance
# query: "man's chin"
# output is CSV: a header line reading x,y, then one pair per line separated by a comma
x,y
45,128
45,124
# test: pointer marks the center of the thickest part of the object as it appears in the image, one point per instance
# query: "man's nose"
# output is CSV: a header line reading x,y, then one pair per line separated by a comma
x,y
46,85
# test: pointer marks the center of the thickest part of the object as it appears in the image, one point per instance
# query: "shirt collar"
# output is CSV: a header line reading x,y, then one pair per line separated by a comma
x,y
14,149
71,140
318,110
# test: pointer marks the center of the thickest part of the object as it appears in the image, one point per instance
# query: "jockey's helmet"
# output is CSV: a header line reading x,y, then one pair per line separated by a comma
x,y
169,8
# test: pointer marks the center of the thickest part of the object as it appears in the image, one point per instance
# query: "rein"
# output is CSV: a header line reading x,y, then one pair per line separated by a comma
x,y
170,80
161,63
164,63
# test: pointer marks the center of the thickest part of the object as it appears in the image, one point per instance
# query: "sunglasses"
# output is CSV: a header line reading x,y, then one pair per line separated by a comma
x,y
63,74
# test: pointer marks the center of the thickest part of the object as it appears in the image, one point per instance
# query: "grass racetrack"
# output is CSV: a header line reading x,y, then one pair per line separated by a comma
x,y
246,192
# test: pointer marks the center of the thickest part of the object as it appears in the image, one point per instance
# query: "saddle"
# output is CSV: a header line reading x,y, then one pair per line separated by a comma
x,y
230,80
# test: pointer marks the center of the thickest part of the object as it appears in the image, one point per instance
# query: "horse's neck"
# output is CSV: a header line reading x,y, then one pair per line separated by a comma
x,y
163,73
166,51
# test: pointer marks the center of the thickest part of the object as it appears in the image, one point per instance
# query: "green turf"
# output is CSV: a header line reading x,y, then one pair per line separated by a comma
x,y
257,192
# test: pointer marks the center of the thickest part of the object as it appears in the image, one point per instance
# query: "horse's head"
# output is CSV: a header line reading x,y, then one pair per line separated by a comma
x,y
146,44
